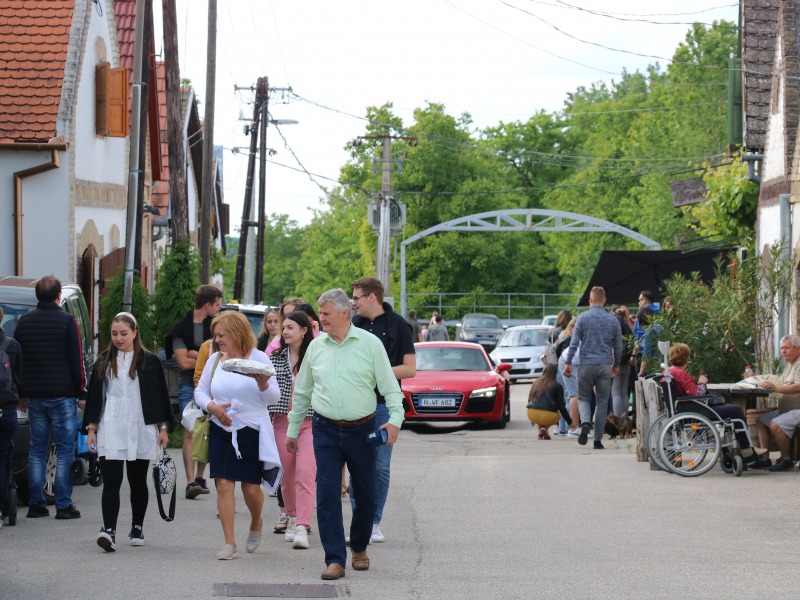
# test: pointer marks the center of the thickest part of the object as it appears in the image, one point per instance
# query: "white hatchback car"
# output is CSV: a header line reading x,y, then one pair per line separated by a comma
x,y
523,348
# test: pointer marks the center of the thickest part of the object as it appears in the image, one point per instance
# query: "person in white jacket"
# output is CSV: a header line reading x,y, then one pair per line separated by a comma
x,y
241,441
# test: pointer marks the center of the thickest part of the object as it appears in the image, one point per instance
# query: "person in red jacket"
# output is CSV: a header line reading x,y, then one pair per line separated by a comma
x,y
687,386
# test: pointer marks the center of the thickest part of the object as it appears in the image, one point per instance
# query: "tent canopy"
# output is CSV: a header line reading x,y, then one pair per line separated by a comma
x,y
625,273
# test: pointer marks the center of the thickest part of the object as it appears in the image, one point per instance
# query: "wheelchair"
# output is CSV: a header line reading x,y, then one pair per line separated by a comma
x,y
690,437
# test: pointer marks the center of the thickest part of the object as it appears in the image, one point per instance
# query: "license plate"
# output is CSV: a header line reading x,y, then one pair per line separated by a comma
x,y
436,402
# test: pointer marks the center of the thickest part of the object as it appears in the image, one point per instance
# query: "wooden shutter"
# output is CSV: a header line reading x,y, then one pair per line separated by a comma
x,y
111,101
118,102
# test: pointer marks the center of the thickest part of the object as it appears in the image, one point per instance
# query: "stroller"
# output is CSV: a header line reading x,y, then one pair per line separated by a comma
x,y
85,468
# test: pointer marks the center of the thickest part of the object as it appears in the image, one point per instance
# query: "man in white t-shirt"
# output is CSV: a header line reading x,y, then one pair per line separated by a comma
x,y
775,429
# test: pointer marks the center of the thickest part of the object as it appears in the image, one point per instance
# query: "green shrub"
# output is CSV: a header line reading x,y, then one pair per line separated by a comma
x,y
730,323
178,279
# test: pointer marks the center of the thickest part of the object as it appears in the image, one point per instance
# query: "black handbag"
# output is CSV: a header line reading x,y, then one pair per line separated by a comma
x,y
165,476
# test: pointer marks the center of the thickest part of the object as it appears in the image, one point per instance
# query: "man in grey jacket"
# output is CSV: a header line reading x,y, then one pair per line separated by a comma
x,y
438,332
599,336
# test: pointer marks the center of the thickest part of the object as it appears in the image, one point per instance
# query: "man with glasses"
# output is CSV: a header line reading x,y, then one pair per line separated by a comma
x,y
395,333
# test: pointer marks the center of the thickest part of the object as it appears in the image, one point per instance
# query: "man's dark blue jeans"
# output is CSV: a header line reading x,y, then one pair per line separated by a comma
x,y
335,446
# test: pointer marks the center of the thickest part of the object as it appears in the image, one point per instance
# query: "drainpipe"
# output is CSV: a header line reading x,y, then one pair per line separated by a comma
x,y
785,221
751,160
54,149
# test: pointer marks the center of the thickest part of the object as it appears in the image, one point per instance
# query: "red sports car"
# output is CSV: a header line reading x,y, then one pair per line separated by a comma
x,y
456,381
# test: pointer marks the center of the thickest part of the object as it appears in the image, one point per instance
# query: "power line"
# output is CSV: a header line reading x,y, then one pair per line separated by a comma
x,y
618,17
529,44
599,45
474,144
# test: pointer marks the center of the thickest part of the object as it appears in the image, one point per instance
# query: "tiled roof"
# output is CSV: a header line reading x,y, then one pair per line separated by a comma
x,y
33,50
125,13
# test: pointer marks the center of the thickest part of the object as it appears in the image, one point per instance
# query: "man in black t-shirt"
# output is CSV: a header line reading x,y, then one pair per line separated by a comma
x,y
416,330
378,317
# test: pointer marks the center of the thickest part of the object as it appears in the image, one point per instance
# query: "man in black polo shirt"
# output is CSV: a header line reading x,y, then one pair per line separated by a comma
x,y
378,317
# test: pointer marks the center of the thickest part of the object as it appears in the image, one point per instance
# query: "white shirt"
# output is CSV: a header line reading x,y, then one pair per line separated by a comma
x,y
122,433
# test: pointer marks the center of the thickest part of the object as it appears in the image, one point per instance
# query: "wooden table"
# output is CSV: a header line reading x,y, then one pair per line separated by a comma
x,y
744,398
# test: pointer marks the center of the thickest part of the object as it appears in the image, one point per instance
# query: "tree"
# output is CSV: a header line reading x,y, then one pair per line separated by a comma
x,y
178,280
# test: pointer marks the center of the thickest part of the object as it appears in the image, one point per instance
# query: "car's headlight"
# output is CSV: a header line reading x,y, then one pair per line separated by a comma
x,y
483,393
467,336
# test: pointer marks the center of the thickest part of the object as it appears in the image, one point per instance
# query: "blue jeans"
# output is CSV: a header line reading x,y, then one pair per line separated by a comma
x,y
594,383
185,394
383,464
334,447
60,415
8,425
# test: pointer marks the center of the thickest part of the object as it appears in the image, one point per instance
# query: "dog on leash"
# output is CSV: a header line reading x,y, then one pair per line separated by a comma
x,y
616,426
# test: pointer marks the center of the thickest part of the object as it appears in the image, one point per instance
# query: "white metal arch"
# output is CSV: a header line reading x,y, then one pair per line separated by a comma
x,y
521,219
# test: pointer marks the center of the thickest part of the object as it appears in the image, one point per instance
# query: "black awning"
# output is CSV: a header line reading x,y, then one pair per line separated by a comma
x,y
625,273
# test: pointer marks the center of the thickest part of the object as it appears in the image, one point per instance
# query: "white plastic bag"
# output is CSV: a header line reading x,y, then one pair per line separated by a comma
x,y
190,414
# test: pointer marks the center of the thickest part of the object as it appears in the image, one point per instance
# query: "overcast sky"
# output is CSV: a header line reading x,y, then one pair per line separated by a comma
x,y
498,60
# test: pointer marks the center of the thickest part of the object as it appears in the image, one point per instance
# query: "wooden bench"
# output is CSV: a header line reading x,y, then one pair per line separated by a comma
x,y
648,395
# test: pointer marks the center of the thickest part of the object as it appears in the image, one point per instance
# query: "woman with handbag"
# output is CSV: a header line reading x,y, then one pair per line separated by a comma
x,y
127,417
240,433
300,469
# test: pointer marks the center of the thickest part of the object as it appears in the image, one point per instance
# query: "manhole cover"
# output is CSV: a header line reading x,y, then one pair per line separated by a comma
x,y
279,590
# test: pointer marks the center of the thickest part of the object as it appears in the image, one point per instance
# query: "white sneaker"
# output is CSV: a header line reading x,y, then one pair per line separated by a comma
x,y
290,527
300,538
574,433
377,536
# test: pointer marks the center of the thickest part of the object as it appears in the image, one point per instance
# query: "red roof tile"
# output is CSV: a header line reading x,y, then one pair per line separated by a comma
x,y
33,50
125,13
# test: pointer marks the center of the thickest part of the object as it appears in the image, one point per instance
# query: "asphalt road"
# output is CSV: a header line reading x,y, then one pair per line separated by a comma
x,y
472,514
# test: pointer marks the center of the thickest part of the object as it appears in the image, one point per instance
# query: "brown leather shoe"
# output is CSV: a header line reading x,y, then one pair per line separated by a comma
x,y
334,571
360,561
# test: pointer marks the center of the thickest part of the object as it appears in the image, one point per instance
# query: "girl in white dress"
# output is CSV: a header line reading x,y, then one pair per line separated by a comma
x,y
127,418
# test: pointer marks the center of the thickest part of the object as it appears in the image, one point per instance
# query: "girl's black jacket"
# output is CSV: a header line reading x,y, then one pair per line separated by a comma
x,y
153,390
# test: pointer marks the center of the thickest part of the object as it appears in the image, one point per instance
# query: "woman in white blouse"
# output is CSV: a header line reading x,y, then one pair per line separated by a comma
x,y
127,417
241,441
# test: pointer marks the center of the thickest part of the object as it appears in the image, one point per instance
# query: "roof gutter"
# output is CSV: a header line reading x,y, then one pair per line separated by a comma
x,y
55,146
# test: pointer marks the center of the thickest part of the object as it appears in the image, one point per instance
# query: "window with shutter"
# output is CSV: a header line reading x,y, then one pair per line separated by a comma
x,y
111,101
101,98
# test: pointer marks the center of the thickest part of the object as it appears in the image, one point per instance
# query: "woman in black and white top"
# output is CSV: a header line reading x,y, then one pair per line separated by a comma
x,y
298,485
127,417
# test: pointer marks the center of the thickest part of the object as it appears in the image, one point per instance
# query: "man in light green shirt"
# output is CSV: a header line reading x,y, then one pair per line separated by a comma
x,y
340,372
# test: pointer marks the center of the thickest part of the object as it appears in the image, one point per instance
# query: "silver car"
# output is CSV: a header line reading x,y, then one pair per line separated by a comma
x,y
523,348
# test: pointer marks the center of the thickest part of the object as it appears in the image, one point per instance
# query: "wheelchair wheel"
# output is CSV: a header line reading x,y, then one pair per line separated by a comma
x,y
689,445
738,465
726,462
652,441
11,504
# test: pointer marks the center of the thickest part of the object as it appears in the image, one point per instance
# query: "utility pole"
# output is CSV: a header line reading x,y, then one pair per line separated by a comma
x,y
262,200
383,250
177,162
384,232
207,195
147,56
131,231
238,283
